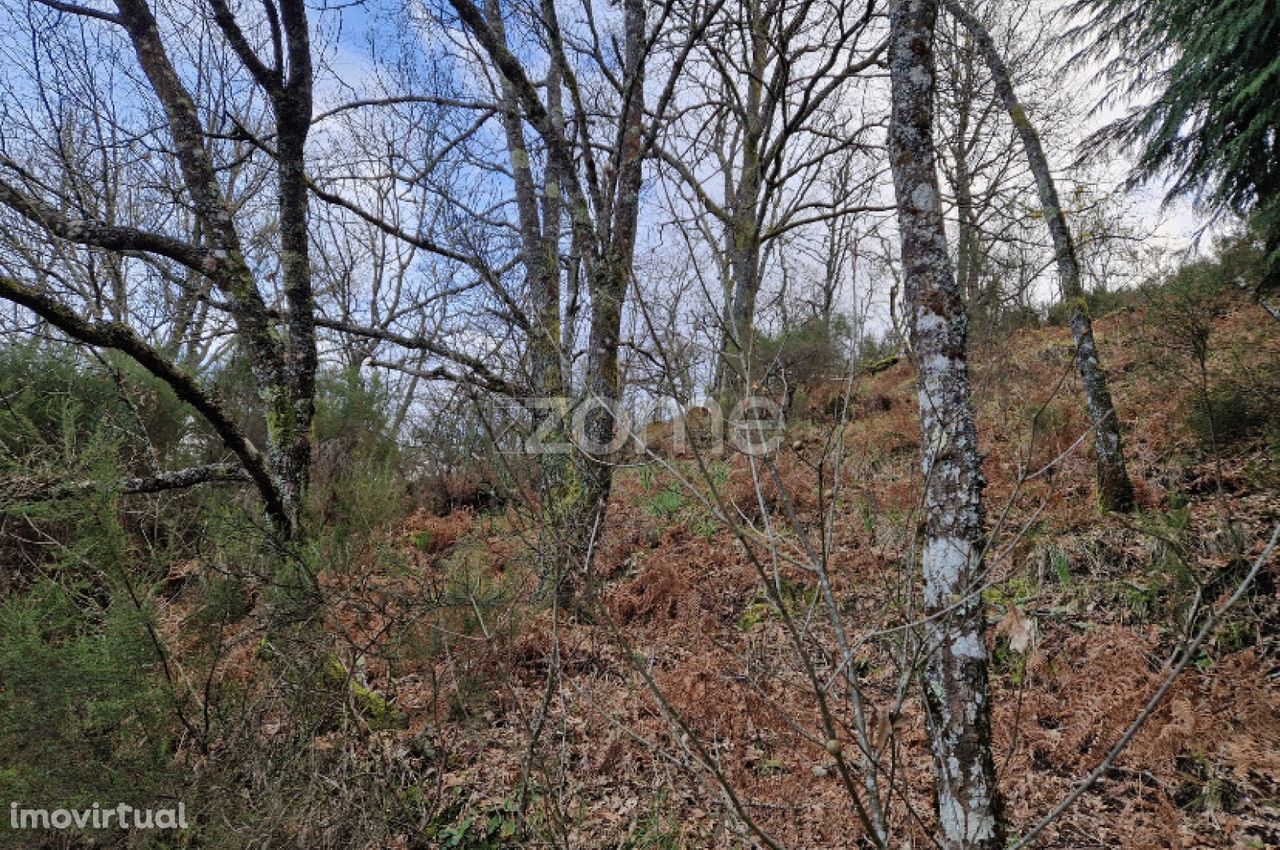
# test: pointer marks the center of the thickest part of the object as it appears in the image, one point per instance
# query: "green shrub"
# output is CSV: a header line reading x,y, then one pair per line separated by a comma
x,y
489,828
801,358
84,712
224,599
666,503
58,403
1225,415
1183,307
356,480
1100,303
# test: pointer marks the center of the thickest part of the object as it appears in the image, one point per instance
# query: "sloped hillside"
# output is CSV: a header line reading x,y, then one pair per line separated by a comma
x,y
626,727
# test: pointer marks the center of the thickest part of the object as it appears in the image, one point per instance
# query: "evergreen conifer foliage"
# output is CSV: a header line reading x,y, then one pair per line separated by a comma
x,y
1210,115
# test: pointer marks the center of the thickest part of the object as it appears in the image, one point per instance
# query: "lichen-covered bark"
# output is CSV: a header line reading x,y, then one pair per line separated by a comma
x,y
575,487
744,242
1115,491
968,806
27,489
559,476
292,103
607,283
968,247
284,369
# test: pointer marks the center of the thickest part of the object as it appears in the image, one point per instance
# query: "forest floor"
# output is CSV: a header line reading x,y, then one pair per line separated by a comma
x,y
1086,611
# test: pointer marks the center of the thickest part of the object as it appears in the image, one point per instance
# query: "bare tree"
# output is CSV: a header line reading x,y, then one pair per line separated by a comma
x,y
213,248
595,148
955,680
980,164
762,133
1115,491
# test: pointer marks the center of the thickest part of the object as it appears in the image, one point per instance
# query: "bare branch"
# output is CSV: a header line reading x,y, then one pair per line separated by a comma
x,y
30,490
121,338
81,11
96,234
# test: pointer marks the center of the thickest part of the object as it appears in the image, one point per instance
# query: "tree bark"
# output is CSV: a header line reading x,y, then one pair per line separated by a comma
x,y
290,444
31,490
744,219
955,679
575,490
607,283
284,365
559,475
1115,491
284,368
116,336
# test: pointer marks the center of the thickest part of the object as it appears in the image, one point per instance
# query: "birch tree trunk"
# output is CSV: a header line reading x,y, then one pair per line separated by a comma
x,y
1115,491
955,687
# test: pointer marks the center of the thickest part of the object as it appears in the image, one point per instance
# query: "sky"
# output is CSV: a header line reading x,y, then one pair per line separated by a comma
x,y
1171,228
1174,226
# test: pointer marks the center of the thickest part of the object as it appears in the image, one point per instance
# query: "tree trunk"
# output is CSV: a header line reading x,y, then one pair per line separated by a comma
x,y
607,284
575,488
1115,491
283,365
539,228
744,241
955,680
289,445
